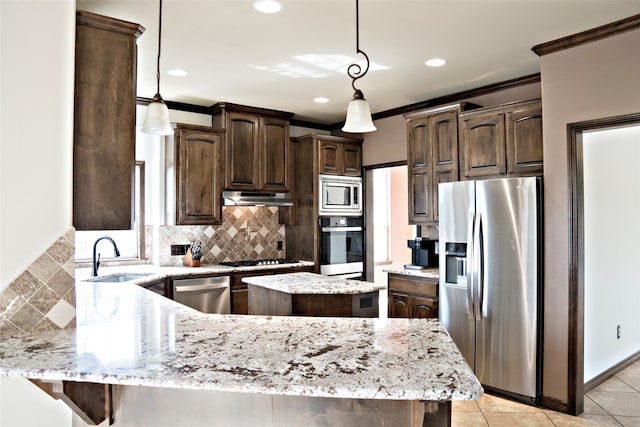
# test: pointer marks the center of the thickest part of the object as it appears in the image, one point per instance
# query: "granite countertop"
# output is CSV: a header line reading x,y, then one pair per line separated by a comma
x,y
429,273
154,272
312,283
128,335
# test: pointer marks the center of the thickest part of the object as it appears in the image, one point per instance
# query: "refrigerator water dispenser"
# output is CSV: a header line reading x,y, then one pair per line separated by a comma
x,y
456,263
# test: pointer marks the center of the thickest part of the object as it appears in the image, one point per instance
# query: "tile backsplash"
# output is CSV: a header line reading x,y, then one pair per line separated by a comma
x,y
43,296
246,233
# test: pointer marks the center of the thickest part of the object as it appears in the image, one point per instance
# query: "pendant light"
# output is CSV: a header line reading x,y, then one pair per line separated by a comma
x,y
156,121
358,112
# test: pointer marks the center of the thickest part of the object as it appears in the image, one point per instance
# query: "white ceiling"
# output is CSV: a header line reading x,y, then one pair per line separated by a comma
x,y
236,54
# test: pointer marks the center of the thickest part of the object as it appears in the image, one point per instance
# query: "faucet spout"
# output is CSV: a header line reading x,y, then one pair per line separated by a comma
x,y
96,261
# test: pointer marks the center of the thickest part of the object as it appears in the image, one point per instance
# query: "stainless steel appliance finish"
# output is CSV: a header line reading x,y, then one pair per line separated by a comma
x,y
342,247
207,294
340,195
256,198
490,254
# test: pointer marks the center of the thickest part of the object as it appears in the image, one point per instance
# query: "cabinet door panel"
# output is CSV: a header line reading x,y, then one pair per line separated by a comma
x,y
352,159
483,140
275,154
445,141
198,174
424,308
419,197
419,170
418,147
398,306
242,151
329,157
524,140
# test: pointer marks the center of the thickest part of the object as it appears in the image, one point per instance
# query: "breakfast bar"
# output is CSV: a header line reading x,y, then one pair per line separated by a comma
x,y
239,370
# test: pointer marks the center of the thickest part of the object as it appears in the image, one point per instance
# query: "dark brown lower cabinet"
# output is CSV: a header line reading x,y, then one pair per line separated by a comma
x,y
412,297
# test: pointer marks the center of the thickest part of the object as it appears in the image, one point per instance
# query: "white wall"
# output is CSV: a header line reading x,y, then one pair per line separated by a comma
x,y
36,122
37,129
400,229
612,247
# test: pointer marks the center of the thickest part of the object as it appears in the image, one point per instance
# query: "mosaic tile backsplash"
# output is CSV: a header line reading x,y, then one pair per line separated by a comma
x,y
43,296
246,233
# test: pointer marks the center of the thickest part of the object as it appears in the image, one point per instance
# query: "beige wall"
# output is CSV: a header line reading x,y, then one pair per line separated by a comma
x,y
596,80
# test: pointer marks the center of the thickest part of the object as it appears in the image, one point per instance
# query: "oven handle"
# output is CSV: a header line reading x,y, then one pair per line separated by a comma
x,y
329,229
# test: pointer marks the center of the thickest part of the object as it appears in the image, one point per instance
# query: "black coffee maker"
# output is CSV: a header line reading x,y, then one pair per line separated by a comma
x,y
424,253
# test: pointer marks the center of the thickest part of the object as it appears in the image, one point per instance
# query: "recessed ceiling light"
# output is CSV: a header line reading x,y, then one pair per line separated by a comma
x,y
435,62
176,72
267,6
321,100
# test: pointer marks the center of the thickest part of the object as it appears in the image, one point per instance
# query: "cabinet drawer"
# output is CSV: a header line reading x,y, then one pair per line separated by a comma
x,y
413,285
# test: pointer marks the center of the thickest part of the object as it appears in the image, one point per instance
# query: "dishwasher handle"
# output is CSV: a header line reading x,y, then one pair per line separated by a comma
x,y
199,285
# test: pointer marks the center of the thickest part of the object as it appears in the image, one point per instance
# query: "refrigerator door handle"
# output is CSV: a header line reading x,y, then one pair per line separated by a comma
x,y
470,262
478,267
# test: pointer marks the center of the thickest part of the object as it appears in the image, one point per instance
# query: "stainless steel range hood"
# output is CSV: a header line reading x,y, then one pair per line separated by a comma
x,y
256,198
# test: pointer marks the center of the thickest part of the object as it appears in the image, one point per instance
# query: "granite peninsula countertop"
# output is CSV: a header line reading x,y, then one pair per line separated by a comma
x,y
429,273
128,335
312,284
154,272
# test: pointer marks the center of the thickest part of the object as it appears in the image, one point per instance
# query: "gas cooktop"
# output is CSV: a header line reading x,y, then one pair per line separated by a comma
x,y
250,263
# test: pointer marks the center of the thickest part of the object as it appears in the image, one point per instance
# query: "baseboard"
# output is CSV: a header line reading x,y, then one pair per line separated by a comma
x,y
596,381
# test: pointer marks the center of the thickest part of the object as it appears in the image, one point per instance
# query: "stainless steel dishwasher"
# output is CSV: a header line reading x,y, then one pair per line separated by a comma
x,y
206,294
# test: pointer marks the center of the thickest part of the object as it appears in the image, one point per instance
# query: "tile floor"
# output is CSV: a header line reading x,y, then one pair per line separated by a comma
x,y
616,402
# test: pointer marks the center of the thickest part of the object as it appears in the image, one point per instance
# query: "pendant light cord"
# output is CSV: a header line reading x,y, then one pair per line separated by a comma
x,y
159,44
354,70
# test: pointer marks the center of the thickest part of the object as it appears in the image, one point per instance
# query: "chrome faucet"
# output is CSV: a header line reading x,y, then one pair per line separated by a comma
x,y
96,262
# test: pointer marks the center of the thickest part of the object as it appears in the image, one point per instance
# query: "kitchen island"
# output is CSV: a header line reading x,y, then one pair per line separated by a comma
x,y
310,294
166,364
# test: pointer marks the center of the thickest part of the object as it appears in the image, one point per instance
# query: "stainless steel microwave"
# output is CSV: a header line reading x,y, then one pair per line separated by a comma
x,y
340,195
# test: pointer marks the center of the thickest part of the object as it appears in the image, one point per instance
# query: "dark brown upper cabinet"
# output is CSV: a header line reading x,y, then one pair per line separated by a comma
x,y
339,155
104,122
502,141
199,152
257,147
432,157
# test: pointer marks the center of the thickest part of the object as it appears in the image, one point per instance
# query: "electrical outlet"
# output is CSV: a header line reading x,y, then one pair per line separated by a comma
x,y
618,332
179,249
279,245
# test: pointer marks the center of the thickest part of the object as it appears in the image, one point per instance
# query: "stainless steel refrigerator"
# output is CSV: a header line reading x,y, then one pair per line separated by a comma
x,y
490,279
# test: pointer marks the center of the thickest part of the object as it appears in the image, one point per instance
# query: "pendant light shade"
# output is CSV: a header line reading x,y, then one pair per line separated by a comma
x,y
358,115
359,112
156,121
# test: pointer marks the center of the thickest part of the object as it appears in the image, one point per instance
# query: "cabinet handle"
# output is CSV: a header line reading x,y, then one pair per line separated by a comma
x,y
399,301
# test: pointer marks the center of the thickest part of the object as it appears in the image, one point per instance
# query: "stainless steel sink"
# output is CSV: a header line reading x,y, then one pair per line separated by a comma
x,y
119,277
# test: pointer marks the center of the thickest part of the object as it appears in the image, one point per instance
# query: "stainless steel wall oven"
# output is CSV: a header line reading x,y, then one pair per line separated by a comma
x,y
342,247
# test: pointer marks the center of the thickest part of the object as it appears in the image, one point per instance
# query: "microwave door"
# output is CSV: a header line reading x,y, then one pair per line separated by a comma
x,y
337,195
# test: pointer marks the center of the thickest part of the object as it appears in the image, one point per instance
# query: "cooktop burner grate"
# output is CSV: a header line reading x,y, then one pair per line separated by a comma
x,y
250,263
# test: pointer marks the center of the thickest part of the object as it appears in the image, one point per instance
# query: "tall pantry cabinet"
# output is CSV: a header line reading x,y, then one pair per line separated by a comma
x,y
104,122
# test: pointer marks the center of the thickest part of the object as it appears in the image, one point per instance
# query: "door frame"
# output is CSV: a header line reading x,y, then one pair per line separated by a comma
x,y
368,213
575,172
